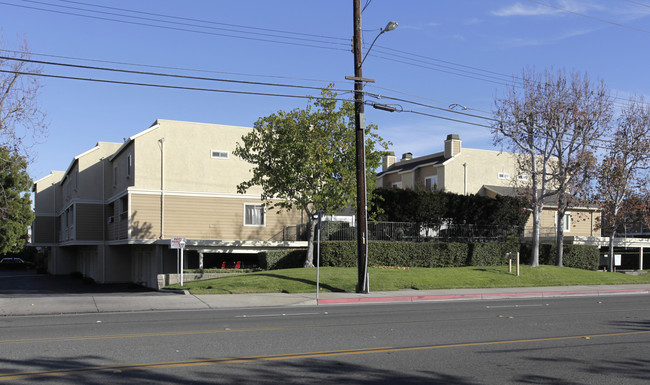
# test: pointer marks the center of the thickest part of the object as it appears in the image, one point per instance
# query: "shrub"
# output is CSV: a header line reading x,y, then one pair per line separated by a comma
x,y
338,254
491,254
576,256
281,259
404,254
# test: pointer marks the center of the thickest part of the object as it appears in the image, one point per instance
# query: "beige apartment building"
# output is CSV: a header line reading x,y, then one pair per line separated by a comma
x,y
489,173
112,214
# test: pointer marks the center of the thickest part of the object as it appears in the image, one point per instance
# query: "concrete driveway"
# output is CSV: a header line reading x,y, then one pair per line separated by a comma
x,y
15,283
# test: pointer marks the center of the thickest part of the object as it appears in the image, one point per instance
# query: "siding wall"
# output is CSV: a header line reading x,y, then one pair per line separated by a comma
x,y
583,223
89,222
43,230
199,217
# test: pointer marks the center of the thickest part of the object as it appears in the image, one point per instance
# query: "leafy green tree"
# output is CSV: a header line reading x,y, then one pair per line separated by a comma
x,y
15,202
431,208
305,158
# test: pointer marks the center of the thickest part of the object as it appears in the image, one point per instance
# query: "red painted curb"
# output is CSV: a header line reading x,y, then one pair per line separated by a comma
x,y
448,297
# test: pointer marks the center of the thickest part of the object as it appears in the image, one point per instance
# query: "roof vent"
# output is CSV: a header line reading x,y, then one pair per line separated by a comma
x,y
407,156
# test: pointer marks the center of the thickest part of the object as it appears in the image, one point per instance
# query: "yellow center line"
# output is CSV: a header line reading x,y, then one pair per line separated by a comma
x,y
291,356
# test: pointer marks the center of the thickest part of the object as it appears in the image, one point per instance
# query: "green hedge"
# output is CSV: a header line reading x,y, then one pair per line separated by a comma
x,y
407,254
576,256
490,254
281,259
429,254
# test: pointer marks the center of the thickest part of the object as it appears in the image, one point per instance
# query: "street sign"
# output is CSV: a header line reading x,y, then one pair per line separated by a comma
x,y
177,243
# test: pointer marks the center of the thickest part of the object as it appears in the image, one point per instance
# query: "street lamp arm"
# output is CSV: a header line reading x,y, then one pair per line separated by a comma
x,y
389,27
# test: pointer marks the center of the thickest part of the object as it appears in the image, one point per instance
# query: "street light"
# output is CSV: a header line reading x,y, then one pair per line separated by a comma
x,y
360,127
389,27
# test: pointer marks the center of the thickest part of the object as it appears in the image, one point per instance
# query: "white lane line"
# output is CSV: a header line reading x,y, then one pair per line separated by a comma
x,y
510,306
278,315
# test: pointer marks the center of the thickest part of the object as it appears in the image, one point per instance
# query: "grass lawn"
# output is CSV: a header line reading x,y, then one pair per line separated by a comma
x,y
338,279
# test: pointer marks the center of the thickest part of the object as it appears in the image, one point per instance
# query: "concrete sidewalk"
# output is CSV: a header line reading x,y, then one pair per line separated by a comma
x,y
157,301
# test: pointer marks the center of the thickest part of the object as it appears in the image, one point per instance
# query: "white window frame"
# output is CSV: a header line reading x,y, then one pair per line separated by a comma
x,y
397,185
433,183
522,177
263,212
503,175
219,154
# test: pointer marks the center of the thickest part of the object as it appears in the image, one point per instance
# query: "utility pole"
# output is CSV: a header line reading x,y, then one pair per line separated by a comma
x,y
360,127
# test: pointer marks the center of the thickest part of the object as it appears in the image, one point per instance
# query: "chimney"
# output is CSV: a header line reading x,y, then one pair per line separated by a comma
x,y
387,160
407,156
452,146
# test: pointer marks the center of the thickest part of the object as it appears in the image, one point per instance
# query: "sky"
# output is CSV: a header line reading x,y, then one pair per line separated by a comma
x,y
442,68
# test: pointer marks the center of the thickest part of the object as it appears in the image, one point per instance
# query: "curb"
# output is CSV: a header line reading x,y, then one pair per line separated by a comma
x,y
488,296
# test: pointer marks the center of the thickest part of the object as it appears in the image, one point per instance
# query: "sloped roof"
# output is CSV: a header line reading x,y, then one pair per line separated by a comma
x,y
412,164
549,201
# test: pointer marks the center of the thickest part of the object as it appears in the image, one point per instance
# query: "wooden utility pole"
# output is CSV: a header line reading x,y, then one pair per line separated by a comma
x,y
360,125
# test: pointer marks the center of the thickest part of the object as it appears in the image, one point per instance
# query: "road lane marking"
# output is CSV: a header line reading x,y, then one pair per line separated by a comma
x,y
293,356
283,328
278,315
511,306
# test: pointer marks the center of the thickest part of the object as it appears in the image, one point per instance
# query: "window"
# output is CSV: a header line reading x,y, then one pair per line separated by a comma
x,y
129,165
431,183
254,215
115,176
503,175
124,207
522,177
219,154
397,185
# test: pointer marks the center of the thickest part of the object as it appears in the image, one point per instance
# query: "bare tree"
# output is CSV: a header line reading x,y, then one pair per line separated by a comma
x,y
523,117
623,172
578,113
553,120
21,119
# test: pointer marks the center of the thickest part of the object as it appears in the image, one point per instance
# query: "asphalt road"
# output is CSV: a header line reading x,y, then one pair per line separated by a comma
x,y
543,341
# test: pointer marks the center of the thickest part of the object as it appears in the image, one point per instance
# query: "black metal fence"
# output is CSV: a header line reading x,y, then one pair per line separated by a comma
x,y
405,231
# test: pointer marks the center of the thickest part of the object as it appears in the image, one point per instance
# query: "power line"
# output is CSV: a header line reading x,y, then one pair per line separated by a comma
x,y
449,110
447,67
163,74
159,85
206,21
168,67
590,17
186,29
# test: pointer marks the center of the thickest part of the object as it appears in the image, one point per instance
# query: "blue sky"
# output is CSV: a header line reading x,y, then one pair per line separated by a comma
x,y
461,52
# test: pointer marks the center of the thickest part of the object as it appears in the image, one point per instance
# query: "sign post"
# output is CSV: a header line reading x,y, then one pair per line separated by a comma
x,y
320,215
179,244
510,257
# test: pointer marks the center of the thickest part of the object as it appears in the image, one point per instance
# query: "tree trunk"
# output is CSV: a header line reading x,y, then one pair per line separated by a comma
x,y
612,235
311,226
561,211
534,252
560,239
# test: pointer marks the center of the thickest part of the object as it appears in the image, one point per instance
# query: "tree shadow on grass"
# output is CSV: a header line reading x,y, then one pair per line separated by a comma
x,y
493,270
331,288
